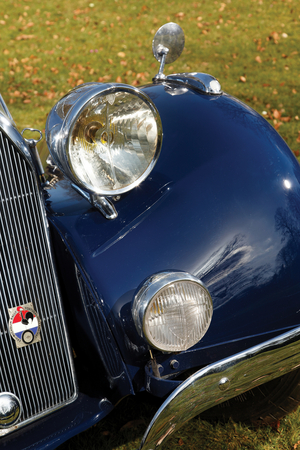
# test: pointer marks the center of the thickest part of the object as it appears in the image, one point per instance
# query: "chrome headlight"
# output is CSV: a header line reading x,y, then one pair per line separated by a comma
x,y
172,310
106,138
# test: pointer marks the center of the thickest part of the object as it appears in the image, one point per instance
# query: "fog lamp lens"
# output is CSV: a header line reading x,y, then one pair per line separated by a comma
x,y
173,311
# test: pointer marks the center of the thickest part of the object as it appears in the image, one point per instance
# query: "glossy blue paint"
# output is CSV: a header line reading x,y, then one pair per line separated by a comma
x,y
223,203
54,429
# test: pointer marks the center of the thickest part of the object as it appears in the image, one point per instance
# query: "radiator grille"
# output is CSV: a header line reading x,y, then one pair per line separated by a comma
x,y
41,374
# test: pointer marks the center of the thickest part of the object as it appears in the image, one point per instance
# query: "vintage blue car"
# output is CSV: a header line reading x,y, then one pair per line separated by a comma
x,y
160,252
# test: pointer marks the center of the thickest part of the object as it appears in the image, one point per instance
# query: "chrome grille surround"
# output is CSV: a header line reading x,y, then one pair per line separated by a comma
x,y
41,375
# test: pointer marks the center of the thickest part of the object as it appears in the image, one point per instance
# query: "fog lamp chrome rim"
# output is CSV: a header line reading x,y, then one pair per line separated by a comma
x,y
10,409
172,310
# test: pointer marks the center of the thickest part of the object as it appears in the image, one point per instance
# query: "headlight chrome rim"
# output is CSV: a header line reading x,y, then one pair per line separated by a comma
x,y
150,289
59,143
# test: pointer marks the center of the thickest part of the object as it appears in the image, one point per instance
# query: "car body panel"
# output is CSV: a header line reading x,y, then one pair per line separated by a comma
x,y
221,203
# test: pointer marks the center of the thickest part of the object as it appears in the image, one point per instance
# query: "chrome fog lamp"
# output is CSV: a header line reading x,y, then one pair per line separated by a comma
x,y
172,310
105,137
10,409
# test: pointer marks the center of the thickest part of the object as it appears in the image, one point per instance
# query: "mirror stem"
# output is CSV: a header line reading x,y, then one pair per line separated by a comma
x,y
163,51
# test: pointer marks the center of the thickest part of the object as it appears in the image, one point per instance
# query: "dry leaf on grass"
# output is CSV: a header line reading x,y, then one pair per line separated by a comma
x,y
132,424
24,37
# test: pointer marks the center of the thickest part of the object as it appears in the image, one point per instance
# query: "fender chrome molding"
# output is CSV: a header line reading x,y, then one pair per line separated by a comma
x,y
221,381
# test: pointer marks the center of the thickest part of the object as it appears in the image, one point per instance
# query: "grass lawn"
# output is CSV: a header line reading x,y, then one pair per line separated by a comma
x,y
124,427
252,47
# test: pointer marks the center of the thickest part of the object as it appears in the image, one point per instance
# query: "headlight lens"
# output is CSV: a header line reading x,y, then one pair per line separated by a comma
x,y
113,137
173,311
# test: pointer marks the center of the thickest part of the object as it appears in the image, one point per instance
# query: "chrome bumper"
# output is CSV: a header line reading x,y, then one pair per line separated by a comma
x,y
221,381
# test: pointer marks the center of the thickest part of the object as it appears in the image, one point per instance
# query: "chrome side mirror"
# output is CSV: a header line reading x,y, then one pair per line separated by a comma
x,y
167,46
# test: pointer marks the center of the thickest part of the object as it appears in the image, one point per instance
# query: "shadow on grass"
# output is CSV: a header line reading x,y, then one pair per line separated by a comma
x,y
123,428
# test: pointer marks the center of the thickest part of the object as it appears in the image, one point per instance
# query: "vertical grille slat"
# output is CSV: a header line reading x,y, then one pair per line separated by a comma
x,y
41,375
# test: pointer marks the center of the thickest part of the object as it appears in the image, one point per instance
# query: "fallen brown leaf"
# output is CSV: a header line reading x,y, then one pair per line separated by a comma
x,y
132,424
23,37
49,95
277,125
276,425
275,37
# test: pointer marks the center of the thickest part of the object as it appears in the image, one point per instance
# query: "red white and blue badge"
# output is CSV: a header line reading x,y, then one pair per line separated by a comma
x,y
24,325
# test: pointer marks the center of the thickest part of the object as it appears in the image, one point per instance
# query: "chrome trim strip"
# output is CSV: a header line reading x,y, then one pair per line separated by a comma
x,y
221,381
10,130
4,109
